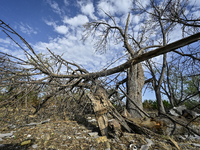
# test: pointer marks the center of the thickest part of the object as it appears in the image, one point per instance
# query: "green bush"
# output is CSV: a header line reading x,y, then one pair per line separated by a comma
x,y
166,104
152,104
191,103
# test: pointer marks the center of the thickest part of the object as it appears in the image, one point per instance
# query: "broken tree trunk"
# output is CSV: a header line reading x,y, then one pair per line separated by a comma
x,y
100,112
102,105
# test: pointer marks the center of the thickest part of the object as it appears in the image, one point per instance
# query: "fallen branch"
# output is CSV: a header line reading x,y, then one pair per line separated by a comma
x,y
141,130
186,126
32,124
192,120
6,134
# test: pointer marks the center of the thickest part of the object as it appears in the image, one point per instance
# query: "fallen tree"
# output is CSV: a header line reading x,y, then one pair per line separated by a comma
x,y
35,81
76,77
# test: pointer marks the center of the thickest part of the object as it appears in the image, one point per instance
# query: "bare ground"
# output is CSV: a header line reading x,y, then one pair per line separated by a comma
x,y
72,134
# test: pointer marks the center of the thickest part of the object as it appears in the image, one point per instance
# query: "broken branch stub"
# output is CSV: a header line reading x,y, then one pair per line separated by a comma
x,y
102,106
100,113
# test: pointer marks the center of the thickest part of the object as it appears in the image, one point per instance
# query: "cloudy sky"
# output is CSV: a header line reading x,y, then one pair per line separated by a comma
x,y
57,24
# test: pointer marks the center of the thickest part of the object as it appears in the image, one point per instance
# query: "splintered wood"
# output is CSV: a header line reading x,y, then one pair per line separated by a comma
x,y
102,106
100,112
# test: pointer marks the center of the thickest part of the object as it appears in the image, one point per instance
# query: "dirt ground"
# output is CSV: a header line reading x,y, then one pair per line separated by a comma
x,y
75,134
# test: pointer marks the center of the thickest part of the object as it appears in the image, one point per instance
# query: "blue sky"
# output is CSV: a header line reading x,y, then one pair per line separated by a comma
x,y
29,17
57,24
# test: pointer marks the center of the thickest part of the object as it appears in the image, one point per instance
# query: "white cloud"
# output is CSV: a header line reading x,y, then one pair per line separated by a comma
x,y
196,2
135,19
76,21
4,50
73,50
13,50
54,6
61,29
116,19
50,23
5,41
87,9
66,2
114,7
137,27
25,28
144,3
107,7
158,59
176,34
196,13
122,6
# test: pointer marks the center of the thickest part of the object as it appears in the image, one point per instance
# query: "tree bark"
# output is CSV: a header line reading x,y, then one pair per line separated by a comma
x,y
135,84
161,109
100,111
102,106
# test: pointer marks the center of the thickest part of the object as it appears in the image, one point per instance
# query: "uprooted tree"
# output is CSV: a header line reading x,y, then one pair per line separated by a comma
x,y
36,75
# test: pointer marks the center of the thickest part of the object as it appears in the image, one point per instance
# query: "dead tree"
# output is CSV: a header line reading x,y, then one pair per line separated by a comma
x,y
164,17
181,82
40,74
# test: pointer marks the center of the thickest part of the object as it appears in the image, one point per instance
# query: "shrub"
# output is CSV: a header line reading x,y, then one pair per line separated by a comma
x,y
191,103
150,104
166,104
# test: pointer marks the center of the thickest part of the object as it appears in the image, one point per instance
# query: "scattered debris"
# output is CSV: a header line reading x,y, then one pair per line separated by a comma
x,y
26,142
183,111
34,124
93,134
101,139
71,135
34,146
6,134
